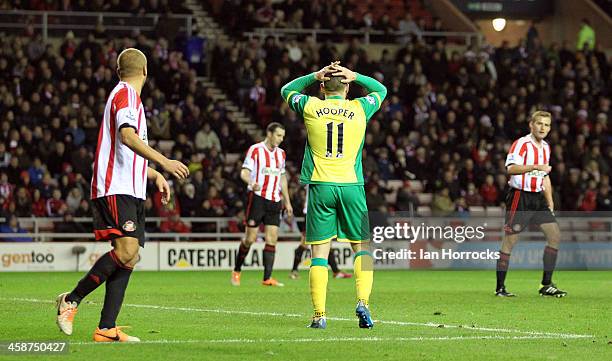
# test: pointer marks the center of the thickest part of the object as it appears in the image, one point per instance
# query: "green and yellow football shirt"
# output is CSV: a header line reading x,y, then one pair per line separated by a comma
x,y
336,130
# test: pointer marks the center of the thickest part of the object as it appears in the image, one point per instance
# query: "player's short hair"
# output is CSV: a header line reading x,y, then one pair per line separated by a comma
x,y
539,114
130,63
334,84
273,126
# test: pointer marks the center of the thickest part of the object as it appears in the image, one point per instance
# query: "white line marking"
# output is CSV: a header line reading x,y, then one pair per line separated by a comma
x,y
327,339
279,314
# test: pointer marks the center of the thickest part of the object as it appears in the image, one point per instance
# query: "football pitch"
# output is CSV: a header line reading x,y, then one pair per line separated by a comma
x,y
421,315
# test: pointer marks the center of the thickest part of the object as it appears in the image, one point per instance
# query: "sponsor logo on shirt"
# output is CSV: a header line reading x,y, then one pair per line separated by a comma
x,y
130,114
271,171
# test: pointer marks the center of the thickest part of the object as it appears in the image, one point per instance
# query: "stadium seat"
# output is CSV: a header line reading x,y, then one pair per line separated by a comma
x,y
424,211
416,186
477,211
495,212
425,198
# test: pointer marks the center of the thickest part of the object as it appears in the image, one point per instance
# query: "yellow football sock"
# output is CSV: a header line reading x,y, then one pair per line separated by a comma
x,y
318,285
364,275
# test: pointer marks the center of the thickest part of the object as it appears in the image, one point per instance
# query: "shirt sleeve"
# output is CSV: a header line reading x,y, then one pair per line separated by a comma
x,y
126,113
292,92
514,155
127,117
249,160
283,161
376,94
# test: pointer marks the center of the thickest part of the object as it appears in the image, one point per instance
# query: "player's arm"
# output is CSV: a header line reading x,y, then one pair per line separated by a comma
x,y
376,90
160,183
248,166
292,92
245,175
285,195
132,141
548,194
515,163
517,169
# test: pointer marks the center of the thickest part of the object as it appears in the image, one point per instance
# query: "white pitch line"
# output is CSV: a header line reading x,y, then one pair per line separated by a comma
x,y
278,314
327,339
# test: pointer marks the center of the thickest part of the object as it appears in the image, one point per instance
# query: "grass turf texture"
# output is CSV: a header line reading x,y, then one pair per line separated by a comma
x,y
195,325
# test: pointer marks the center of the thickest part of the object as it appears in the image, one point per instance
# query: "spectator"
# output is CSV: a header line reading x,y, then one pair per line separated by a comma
x,y
69,225
55,205
23,203
407,200
586,36
206,139
604,199
488,191
472,197
189,201
442,205
374,198
12,226
408,28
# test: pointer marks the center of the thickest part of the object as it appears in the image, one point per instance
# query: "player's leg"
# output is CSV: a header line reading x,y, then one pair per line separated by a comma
x,y
131,218
363,267
269,253
106,228
353,227
515,220
297,257
126,249
553,238
321,228
254,216
503,262
318,278
271,221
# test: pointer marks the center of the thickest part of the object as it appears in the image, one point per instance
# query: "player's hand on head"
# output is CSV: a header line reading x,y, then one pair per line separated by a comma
x,y
321,75
346,73
176,168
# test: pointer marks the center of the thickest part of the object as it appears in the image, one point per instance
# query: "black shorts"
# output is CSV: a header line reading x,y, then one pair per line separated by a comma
x,y
260,210
524,209
119,216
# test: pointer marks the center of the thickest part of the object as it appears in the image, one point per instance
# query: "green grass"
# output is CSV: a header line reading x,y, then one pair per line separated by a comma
x,y
413,297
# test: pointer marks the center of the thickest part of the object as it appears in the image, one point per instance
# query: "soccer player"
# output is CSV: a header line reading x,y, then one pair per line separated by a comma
x,y
118,192
529,201
299,251
332,169
263,171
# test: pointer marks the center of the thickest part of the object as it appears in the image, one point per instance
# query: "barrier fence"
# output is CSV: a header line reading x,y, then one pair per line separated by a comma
x,y
368,34
57,23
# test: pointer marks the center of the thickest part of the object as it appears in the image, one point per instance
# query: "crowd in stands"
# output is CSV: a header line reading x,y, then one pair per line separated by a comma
x,y
52,99
132,6
447,122
449,117
337,15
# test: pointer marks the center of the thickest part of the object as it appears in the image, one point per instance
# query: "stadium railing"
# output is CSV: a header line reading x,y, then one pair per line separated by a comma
x,y
467,37
57,23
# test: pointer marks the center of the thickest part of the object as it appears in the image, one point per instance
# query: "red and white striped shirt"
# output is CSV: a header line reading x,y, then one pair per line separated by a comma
x,y
524,151
118,169
266,168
